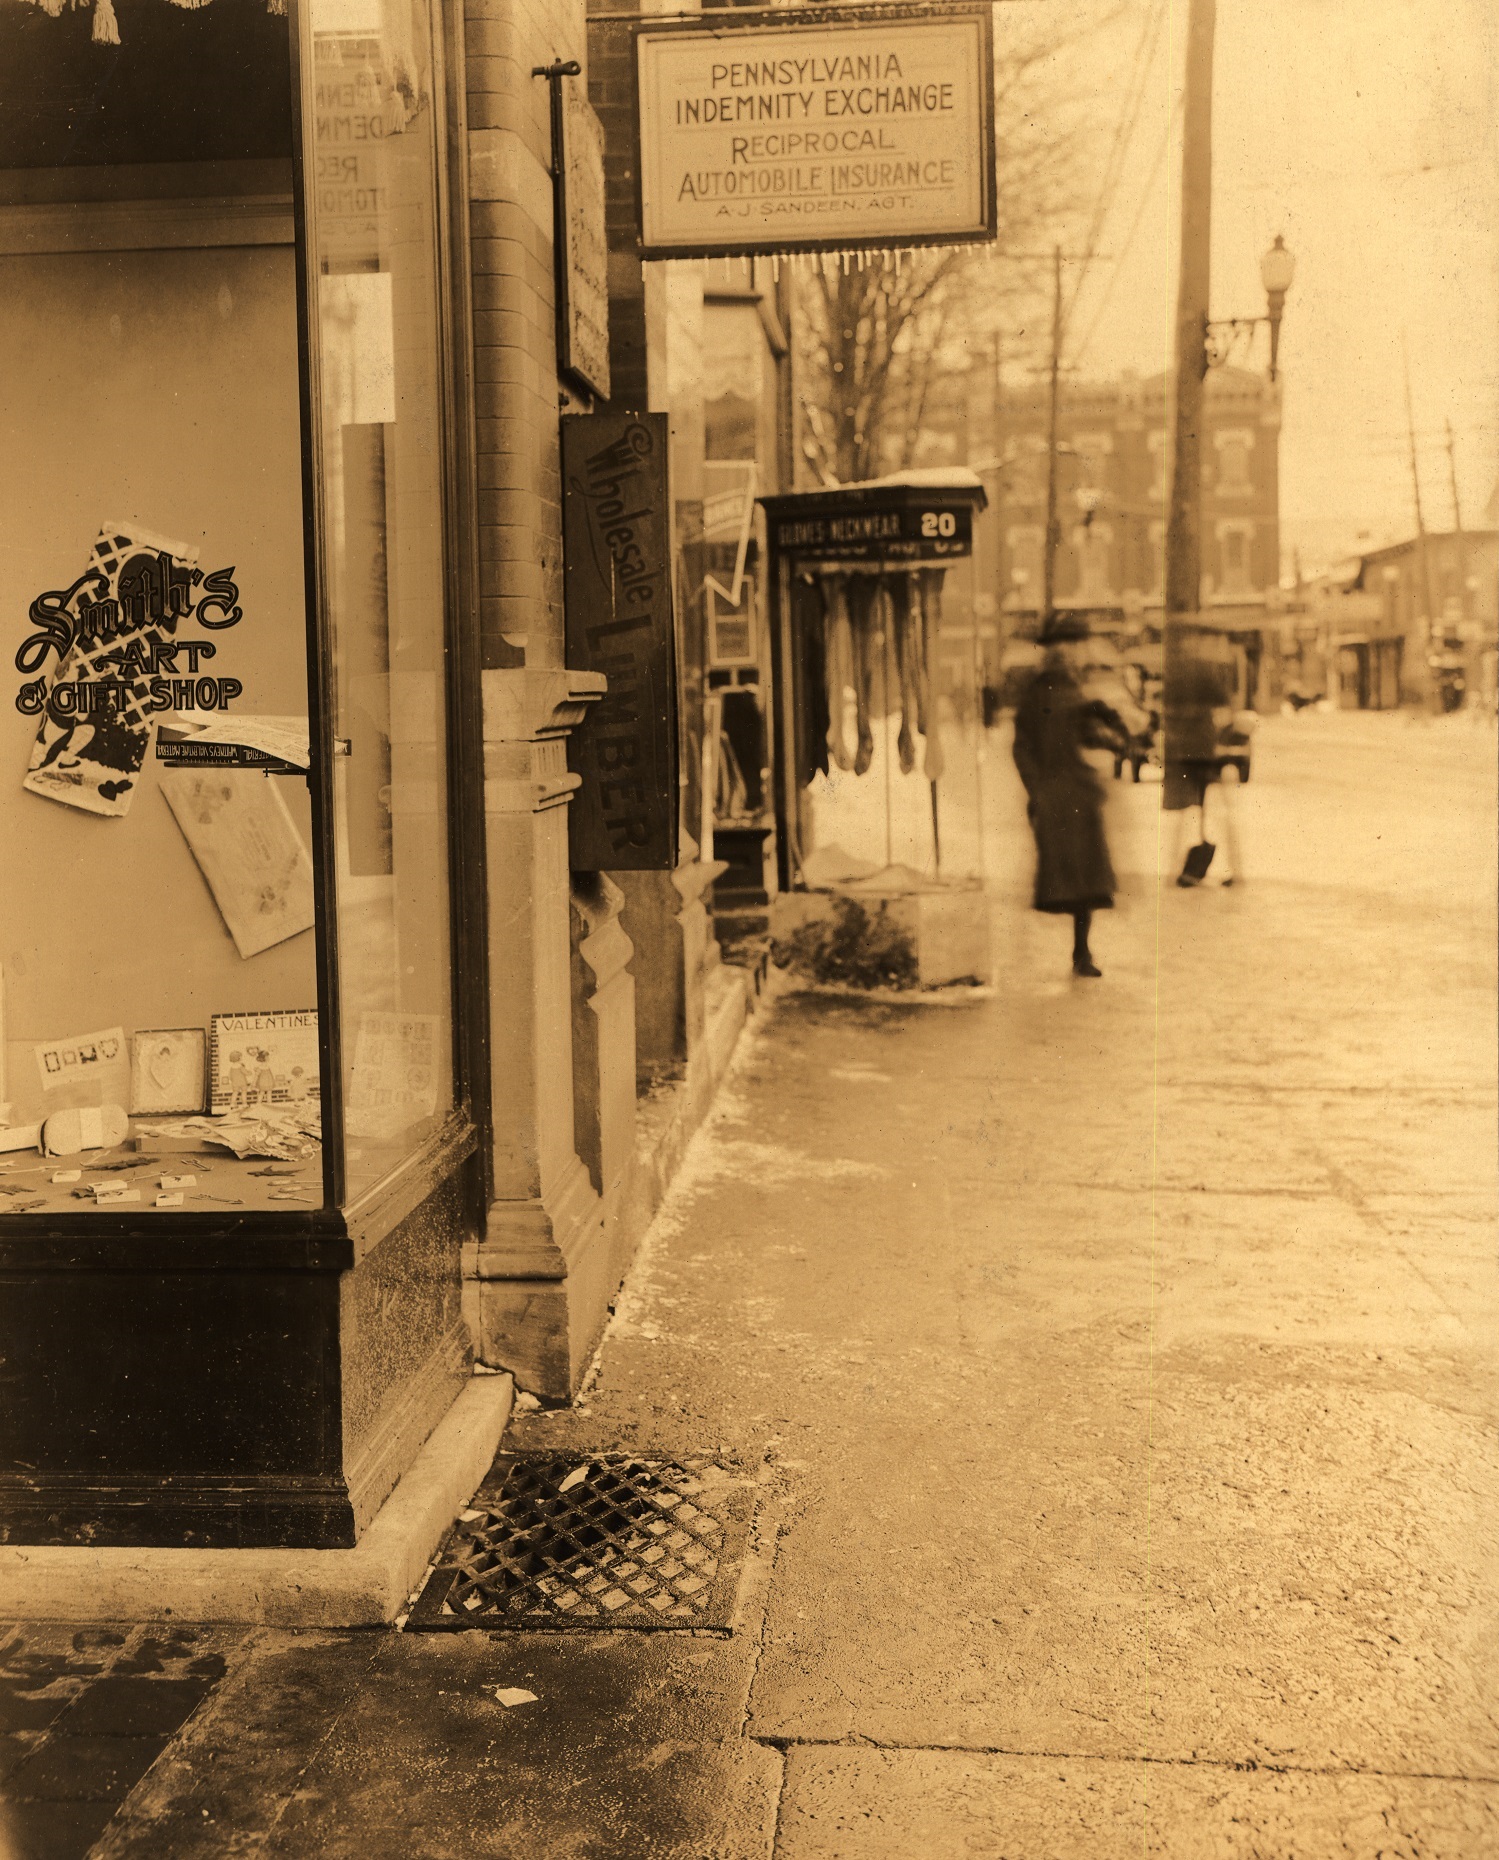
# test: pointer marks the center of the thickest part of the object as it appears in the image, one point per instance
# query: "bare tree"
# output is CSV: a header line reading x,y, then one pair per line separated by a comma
x,y
874,332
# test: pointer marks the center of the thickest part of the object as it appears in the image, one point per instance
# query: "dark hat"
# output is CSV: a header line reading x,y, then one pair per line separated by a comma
x,y
1063,627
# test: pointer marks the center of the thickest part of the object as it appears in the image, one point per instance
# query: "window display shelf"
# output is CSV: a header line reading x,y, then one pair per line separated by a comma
x,y
192,1183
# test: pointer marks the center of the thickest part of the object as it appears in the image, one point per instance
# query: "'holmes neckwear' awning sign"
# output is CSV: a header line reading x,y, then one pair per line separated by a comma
x,y
830,131
617,579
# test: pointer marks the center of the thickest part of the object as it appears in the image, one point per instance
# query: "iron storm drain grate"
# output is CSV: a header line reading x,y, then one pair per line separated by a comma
x,y
564,1540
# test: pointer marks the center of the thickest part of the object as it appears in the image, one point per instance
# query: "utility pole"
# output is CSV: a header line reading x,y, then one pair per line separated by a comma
x,y
1184,514
1460,544
1410,427
1049,546
1001,529
1457,509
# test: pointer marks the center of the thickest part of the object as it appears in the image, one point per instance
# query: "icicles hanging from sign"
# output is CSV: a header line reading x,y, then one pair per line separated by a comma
x,y
832,262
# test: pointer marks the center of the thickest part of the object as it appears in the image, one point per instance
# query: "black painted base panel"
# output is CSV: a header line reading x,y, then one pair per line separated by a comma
x,y
177,1512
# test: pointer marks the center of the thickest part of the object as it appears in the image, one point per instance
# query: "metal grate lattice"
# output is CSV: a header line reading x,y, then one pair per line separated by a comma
x,y
558,1540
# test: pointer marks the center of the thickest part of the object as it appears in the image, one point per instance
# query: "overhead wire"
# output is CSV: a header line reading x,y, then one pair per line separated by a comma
x,y
1124,131
1146,193
1124,127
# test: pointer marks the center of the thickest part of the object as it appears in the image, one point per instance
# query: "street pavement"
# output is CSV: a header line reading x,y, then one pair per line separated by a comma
x,y
1118,1358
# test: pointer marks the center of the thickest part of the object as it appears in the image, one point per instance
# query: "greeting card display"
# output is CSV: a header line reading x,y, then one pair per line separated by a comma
x,y
265,1062
249,851
394,1083
92,1067
168,1070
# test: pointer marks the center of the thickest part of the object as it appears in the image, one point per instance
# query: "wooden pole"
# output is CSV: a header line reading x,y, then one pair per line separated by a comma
x,y
1459,540
1049,547
1184,513
1410,427
1457,509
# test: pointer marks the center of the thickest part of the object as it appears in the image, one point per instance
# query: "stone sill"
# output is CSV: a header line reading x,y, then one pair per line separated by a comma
x,y
363,1587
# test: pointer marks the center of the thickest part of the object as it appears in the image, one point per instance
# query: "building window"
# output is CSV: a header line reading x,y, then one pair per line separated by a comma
x,y
1234,448
1160,455
1025,471
1025,542
238,865
1234,541
1092,452
1094,545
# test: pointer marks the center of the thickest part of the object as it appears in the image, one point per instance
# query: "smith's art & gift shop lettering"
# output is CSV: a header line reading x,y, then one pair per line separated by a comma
x,y
121,660
121,639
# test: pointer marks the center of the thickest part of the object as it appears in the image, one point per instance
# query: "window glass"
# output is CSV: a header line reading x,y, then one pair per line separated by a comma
x,y
1235,558
1233,462
156,915
373,218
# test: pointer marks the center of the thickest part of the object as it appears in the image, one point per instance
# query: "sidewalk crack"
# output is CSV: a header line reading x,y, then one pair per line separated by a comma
x,y
765,1579
1248,1765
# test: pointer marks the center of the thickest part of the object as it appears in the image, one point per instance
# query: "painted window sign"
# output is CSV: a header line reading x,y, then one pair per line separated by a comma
x,y
861,133
119,661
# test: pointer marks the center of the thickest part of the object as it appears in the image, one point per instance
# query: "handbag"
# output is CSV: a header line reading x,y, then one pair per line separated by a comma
x,y
1199,858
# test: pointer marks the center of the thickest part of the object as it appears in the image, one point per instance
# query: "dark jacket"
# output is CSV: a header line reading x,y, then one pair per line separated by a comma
x,y
1053,724
1198,690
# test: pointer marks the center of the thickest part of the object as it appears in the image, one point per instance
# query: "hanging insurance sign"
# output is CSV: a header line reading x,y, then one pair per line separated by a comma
x,y
866,127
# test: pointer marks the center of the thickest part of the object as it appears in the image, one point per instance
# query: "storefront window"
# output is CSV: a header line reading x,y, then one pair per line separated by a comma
x,y
167,1031
373,216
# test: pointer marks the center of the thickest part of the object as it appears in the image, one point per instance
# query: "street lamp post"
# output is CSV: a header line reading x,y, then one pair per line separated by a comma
x,y
1277,268
1201,344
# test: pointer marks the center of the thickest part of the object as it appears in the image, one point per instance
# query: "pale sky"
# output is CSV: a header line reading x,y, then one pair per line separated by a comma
x,y
1367,131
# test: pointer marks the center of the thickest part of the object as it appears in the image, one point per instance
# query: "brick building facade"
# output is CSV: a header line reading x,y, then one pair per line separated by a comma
x,y
1113,487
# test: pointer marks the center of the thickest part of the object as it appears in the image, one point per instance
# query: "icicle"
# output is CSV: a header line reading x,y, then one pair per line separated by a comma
x,y
106,26
52,8
277,7
775,267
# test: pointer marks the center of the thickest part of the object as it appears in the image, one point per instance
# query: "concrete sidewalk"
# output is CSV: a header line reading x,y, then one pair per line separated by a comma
x,y
1121,1360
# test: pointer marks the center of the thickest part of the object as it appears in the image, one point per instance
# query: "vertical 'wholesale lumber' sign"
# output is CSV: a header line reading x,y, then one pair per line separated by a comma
x,y
617,582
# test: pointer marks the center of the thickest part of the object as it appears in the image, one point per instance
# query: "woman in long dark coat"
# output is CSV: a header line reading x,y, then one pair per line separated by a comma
x,y
1054,722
